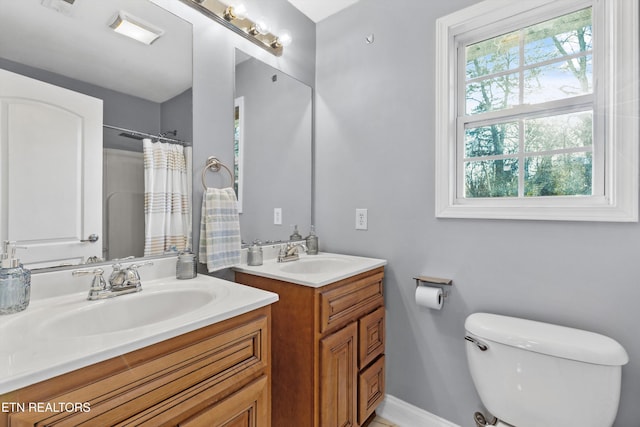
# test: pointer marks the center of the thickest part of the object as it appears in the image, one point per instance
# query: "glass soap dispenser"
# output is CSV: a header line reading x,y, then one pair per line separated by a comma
x,y
15,281
312,242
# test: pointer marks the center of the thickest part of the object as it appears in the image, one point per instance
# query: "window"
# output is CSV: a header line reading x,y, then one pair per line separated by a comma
x,y
537,111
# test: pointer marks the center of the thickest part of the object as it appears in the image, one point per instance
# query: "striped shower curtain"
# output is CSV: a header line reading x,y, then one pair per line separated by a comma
x,y
167,197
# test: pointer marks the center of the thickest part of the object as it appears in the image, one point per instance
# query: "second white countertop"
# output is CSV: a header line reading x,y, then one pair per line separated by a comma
x,y
314,270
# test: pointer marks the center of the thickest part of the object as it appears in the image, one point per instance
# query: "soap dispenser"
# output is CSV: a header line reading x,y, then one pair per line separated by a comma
x,y
312,242
15,281
296,235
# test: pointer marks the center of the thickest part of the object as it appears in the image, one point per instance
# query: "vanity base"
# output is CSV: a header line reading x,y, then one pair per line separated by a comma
x,y
328,346
220,372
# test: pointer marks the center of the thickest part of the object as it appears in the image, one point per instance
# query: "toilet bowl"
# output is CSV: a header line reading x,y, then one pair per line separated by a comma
x,y
534,374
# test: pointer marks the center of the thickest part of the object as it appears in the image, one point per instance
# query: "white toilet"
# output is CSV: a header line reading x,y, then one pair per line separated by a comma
x,y
534,374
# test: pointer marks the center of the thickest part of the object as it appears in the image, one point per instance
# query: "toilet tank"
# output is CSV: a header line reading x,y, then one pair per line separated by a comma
x,y
534,374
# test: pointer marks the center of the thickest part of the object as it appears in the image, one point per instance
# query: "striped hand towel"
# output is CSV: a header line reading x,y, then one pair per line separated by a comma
x,y
220,229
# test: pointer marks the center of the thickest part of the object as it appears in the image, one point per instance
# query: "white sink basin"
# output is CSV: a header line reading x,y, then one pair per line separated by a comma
x,y
58,334
311,265
313,270
128,312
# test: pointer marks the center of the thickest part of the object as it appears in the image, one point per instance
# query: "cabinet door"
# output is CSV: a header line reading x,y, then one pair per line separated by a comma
x,y
370,389
338,377
249,407
371,337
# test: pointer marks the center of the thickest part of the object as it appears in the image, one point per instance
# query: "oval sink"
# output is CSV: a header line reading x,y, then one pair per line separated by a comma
x,y
128,312
314,265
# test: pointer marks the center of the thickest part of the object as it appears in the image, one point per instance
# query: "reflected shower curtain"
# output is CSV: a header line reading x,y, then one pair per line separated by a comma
x,y
167,197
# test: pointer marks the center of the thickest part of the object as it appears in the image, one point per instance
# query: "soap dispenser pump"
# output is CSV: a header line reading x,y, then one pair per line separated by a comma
x,y
15,281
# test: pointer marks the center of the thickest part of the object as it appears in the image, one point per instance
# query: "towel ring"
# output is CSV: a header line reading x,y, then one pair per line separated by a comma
x,y
214,164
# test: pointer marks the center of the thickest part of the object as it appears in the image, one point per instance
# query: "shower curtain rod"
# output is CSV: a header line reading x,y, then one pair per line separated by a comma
x,y
148,135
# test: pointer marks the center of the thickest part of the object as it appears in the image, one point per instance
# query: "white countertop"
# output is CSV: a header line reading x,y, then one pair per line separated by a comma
x,y
33,349
329,268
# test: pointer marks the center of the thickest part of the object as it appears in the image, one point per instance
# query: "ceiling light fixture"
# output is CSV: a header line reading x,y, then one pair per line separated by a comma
x,y
235,18
135,28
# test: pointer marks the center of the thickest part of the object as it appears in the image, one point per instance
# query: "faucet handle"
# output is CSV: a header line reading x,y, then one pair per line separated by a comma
x,y
117,264
131,272
142,264
98,284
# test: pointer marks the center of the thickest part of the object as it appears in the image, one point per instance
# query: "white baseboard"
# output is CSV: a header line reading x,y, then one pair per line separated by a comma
x,y
406,415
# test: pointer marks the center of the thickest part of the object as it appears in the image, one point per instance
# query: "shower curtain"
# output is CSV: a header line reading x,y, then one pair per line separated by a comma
x,y
167,197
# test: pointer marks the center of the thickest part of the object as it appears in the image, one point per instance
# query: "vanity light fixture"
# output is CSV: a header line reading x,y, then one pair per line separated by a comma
x,y
135,28
235,18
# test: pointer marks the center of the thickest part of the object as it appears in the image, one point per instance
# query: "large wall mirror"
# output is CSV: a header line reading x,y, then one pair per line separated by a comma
x,y
146,93
273,144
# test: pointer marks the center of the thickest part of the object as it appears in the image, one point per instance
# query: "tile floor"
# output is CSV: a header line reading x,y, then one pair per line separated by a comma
x,y
381,422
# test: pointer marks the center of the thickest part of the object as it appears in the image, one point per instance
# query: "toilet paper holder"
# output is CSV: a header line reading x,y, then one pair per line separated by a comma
x,y
434,282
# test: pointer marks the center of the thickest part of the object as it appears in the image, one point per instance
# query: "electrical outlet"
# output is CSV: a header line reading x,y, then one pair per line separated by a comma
x,y
361,219
277,216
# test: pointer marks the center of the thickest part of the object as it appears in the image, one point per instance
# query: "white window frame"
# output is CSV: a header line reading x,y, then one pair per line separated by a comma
x,y
616,110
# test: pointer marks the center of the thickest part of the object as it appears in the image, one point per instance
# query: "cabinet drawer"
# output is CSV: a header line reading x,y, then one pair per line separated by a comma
x,y
370,389
344,304
248,407
152,389
370,337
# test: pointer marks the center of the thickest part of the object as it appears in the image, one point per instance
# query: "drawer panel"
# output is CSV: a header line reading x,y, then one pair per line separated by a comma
x,y
223,360
344,304
248,407
370,389
370,337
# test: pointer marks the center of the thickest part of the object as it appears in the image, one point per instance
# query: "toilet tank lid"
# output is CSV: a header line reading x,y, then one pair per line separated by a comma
x,y
545,338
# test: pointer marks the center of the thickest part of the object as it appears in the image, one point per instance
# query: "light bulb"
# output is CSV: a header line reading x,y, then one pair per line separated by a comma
x,y
284,38
262,26
240,11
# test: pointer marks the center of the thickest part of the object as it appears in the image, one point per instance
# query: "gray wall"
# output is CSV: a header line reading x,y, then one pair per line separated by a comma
x,y
277,152
120,109
375,150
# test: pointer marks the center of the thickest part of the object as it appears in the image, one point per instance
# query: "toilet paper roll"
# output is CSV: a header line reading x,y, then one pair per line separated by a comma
x,y
429,297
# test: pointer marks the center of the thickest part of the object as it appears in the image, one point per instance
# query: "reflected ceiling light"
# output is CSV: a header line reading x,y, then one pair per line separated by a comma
x,y
135,28
234,17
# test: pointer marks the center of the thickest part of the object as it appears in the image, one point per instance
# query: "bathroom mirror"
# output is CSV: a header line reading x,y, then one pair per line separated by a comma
x,y
144,87
273,116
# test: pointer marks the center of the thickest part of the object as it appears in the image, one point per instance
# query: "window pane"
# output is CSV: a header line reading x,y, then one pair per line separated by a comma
x,y
559,80
559,37
559,132
492,140
491,178
559,175
492,94
493,55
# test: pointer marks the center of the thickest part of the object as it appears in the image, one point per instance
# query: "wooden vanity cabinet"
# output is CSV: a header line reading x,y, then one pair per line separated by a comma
x,y
328,350
218,375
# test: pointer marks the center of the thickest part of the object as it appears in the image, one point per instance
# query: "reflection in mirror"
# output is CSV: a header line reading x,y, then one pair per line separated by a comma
x,y
275,153
144,88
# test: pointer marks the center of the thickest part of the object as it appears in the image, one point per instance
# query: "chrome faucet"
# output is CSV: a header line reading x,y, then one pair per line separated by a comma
x,y
122,281
289,252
